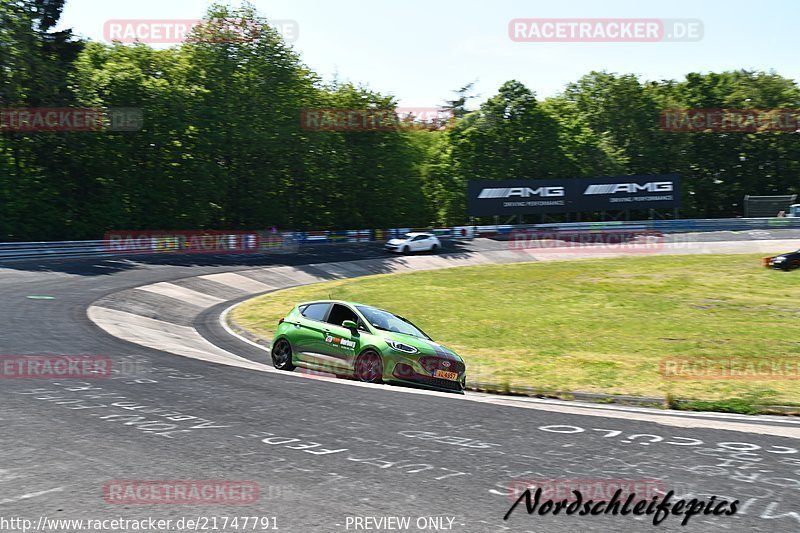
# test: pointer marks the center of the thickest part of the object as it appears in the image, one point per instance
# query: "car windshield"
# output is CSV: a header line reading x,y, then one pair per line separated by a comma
x,y
389,322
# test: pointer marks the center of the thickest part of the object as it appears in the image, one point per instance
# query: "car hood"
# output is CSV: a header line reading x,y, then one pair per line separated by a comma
x,y
397,241
425,347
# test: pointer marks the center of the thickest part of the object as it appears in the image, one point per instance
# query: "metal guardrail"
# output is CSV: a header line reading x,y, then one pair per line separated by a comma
x,y
16,251
38,250
663,226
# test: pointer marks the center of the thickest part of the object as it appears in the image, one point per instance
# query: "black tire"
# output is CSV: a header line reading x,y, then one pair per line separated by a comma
x,y
282,355
435,248
369,367
406,249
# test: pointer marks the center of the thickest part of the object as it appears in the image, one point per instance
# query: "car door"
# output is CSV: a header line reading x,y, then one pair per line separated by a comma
x,y
309,335
341,344
418,243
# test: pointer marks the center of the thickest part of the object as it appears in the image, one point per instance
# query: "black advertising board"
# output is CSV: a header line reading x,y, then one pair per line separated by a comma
x,y
629,192
516,197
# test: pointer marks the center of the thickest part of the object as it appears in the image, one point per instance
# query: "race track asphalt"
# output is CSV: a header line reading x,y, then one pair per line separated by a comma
x,y
324,453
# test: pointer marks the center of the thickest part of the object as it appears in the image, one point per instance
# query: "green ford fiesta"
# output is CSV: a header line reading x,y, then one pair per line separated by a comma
x,y
370,344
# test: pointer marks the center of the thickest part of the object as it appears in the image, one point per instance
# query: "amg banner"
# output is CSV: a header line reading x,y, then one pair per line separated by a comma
x,y
519,197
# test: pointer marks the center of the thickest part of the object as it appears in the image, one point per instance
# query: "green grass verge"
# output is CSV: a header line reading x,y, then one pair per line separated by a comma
x,y
589,325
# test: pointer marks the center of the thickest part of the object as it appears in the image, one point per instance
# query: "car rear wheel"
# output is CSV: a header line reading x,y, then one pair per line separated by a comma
x,y
369,367
282,355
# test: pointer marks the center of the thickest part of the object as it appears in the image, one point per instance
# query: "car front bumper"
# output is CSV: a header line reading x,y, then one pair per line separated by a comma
x,y
409,372
393,247
430,383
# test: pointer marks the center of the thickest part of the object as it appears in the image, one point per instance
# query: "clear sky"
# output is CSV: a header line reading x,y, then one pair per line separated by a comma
x,y
422,50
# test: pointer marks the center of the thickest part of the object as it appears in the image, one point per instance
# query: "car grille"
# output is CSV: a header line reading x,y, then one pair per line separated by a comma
x,y
432,363
438,382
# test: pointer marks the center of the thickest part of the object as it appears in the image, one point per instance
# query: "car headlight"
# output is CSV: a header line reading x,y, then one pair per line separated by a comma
x,y
401,347
779,259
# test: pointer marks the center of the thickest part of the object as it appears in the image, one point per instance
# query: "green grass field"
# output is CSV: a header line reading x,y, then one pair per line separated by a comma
x,y
589,325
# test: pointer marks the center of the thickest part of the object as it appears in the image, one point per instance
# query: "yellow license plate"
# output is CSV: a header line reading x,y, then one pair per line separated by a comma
x,y
453,376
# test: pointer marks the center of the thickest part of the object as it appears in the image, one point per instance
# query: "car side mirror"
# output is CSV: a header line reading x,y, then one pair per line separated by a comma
x,y
349,324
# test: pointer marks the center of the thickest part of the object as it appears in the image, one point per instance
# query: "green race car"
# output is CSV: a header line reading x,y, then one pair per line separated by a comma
x,y
364,342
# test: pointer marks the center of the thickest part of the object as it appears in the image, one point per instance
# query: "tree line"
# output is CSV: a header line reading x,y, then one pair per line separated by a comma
x,y
222,145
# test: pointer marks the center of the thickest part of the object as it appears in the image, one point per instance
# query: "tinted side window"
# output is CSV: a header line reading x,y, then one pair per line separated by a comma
x,y
315,311
341,313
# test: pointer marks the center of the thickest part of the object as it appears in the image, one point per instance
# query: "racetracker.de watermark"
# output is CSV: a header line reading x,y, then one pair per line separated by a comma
x,y
399,118
54,367
69,119
176,492
176,31
594,489
604,30
719,120
731,368
582,241
187,242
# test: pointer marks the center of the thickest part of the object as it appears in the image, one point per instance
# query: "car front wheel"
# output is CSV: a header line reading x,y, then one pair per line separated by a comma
x,y
369,367
282,355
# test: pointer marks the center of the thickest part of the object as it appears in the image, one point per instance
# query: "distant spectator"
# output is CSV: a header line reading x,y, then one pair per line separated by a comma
x,y
781,213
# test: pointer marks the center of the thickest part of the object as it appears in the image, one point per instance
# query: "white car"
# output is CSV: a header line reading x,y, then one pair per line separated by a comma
x,y
414,242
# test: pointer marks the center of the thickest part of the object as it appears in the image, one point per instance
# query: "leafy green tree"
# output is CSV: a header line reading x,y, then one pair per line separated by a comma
x,y
34,64
222,144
